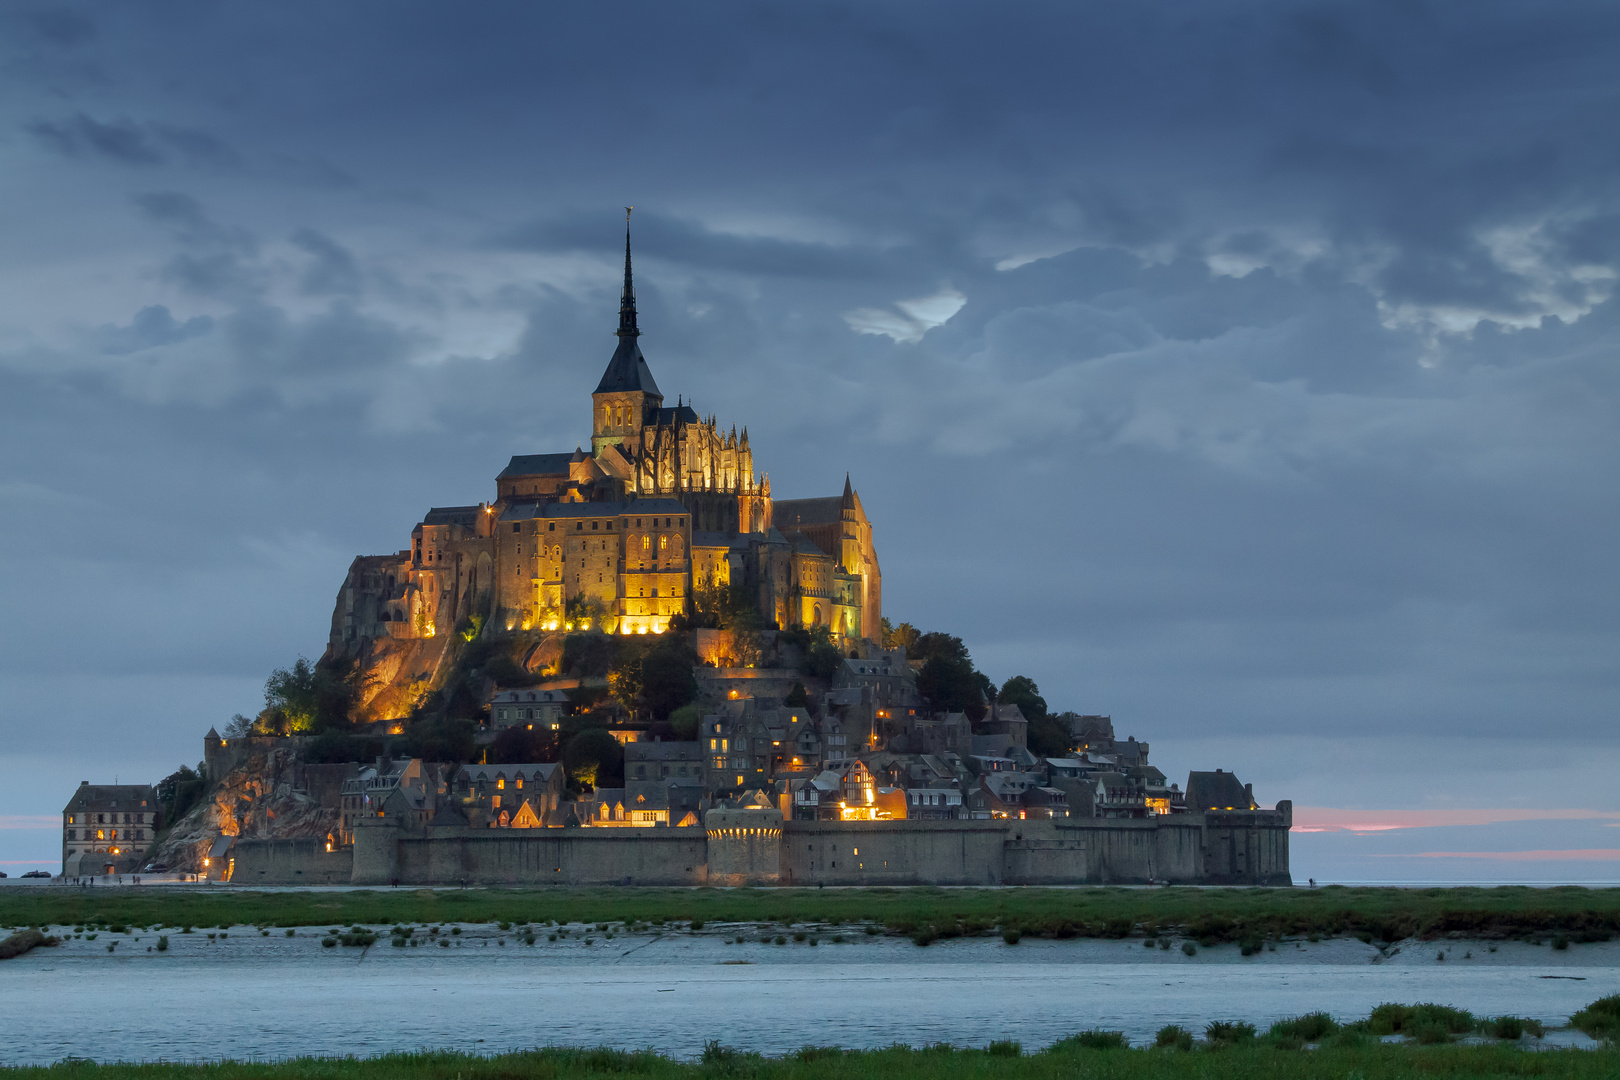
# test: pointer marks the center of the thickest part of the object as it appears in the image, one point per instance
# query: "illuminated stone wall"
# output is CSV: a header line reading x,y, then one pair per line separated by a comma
x,y
757,847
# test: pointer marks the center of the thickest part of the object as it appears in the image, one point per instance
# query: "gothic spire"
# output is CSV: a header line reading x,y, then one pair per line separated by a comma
x,y
628,371
627,298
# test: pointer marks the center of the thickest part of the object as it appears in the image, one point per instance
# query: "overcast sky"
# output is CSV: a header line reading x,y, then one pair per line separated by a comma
x,y
1244,371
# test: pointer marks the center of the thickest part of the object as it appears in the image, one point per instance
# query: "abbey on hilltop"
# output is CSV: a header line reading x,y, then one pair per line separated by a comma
x,y
617,538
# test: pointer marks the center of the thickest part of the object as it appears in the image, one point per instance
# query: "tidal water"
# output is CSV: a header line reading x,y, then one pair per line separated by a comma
x,y
251,997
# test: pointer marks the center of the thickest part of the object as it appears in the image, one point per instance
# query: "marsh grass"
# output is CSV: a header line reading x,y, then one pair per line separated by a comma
x,y
1069,1060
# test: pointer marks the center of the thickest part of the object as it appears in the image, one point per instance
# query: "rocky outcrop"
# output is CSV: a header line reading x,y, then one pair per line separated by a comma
x,y
395,674
264,795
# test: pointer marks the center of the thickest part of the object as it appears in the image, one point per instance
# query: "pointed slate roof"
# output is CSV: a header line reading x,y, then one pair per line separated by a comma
x,y
628,369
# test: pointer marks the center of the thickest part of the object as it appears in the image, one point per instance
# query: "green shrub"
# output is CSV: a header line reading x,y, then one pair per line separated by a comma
x,y
1560,942
1095,1039
1005,1048
1504,1027
291,932
163,943
1426,1023
716,1055
1312,1027
1173,1037
697,924
799,935
1189,948
1011,935
1227,1032
1601,1019
817,1053
328,942
781,940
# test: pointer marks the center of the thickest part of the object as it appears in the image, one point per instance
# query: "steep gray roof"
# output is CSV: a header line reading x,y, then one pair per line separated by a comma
x,y
113,796
786,513
450,515
538,465
1215,791
627,371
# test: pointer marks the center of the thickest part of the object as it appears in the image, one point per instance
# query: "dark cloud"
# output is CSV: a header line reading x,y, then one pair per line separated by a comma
x,y
121,140
333,270
126,142
151,327
61,26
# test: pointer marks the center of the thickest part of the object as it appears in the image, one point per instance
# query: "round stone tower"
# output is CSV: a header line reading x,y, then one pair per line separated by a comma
x,y
745,846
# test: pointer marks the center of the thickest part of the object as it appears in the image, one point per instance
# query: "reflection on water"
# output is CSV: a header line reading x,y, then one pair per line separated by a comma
x,y
251,997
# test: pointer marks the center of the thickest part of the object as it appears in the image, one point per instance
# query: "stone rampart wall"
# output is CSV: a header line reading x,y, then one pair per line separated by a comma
x,y
303,861
532,857
742,847
893,852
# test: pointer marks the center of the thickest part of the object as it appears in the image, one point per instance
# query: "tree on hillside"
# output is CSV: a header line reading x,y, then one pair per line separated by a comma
x,y
951,685
902,636
684,722
1021,691
307,697
717,606
945,646
1049,736
517,745
667,681
594,759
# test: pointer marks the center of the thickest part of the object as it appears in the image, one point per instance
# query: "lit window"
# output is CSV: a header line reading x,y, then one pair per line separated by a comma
x,y
500,783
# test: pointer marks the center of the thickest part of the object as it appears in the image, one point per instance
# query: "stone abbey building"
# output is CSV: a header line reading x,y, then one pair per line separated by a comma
x,y
618,537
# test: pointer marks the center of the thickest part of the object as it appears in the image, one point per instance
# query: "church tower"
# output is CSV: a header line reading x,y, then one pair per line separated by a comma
x,y
627,398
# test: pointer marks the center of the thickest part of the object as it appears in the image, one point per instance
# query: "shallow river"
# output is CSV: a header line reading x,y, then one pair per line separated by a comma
x,y
248,996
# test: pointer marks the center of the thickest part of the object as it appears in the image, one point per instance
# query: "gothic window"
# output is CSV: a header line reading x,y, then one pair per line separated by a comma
x,y
646,541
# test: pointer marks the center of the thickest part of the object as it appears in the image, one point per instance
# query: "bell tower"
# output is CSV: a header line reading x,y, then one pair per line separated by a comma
x,y
627,395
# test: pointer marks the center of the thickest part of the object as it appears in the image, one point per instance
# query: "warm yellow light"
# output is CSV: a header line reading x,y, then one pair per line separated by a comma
x,y
584,624
206,862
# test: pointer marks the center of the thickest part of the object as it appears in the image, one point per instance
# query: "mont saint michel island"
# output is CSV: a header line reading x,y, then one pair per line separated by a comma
x,y
632,664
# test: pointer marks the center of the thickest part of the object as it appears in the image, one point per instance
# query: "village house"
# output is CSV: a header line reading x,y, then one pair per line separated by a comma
x,y
107,828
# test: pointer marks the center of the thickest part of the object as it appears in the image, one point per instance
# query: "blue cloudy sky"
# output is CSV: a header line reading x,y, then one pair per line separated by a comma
x,y
1245,371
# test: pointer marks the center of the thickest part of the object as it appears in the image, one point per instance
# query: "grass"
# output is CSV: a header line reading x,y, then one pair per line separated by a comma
x,y
1072,1059
1208,916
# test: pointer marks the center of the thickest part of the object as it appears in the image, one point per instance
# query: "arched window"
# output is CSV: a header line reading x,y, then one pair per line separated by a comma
x,y
817,616
663,543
